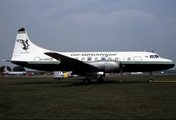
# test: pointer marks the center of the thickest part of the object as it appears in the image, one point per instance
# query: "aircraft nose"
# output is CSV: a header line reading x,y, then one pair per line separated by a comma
x,y
167,64
171,63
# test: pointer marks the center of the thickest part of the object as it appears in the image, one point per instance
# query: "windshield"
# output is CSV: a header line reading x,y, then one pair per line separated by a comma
x,y
157,56
154,56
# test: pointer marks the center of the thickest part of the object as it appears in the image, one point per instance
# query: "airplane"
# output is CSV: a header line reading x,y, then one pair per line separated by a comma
x,y
136,73
60,74
88,64
8,73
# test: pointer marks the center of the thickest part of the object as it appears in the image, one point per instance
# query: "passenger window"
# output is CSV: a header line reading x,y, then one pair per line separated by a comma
x,y
76,58
103,58
109,59
129,59
89,59
96,59
116,59
83,59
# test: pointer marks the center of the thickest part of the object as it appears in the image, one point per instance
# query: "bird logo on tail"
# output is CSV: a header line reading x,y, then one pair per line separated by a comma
x,y
24,43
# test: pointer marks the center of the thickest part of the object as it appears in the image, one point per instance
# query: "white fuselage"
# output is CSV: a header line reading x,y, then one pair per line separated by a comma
x,y
29,55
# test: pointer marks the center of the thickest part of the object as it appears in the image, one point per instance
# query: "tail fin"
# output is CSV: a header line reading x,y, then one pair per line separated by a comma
x,y
5,70
24,49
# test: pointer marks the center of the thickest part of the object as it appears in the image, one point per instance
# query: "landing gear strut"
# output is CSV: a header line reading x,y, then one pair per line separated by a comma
x,y
121,75
150,80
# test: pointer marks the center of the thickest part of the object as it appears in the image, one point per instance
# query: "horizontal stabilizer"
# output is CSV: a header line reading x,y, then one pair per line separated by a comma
x,y
6,60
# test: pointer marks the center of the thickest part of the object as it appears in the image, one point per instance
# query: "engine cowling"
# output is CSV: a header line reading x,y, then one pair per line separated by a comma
x,y
107,66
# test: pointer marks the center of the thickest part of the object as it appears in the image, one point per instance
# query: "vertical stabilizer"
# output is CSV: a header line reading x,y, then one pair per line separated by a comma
x,y
24,49
5,70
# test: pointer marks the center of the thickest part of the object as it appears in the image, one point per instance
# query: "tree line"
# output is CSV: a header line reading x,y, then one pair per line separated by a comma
x,y
16,68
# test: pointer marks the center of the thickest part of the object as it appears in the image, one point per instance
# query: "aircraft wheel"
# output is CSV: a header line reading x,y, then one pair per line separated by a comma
x,y
100,80
87,81
150,80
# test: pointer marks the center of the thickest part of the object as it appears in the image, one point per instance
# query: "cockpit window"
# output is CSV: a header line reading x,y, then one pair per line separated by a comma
x,y
152,56
157,56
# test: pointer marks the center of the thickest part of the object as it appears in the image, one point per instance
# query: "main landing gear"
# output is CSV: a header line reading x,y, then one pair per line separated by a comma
x,y
150,80
87,80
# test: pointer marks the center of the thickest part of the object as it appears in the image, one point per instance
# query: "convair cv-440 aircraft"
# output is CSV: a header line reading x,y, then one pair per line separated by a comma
x,y
88,64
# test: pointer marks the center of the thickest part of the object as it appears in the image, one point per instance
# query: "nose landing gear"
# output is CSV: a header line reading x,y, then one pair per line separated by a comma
x,y
150,80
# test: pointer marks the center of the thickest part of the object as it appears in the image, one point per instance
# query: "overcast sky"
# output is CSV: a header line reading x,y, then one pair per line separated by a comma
x,y
90,25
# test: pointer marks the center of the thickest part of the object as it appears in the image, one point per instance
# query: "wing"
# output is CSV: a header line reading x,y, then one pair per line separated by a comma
x,y
72,64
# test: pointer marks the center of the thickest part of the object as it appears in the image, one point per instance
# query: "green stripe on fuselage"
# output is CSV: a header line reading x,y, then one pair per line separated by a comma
x,y
146,62
123,62
44,62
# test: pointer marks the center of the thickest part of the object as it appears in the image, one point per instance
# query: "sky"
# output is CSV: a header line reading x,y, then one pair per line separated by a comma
x,y
90,25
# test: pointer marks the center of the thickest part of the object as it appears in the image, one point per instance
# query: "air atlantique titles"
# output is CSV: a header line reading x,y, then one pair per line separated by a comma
x,y
94,54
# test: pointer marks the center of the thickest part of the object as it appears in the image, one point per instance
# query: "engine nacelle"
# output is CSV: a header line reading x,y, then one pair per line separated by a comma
x,y
107,66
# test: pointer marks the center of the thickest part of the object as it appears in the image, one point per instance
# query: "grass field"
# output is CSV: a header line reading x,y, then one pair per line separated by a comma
x,y
48,98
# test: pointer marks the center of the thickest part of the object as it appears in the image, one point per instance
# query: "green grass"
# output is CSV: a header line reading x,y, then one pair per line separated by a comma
x,y
48,98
